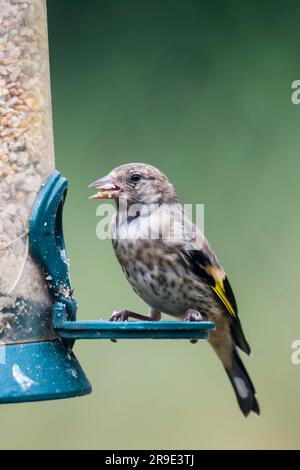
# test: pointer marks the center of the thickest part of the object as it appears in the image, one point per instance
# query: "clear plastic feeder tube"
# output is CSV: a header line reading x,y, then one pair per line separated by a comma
x,y
26,160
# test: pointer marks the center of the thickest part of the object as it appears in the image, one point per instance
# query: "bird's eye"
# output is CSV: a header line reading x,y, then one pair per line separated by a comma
x,y
135,178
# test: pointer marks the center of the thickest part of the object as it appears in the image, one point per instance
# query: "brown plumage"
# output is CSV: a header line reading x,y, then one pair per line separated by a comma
x,y
172,267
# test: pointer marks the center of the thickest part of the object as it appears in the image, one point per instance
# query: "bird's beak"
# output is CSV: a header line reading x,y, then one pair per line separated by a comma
x,y
106,188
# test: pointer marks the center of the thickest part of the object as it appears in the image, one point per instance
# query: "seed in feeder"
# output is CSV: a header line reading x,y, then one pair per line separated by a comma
x,y
17,40
31,103
20,195
13,101
8,139
21,108
27,32
30,83
22,158
13,157
15,73
6,171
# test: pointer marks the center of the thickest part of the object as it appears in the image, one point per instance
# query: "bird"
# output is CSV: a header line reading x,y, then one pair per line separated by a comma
x,y
171,265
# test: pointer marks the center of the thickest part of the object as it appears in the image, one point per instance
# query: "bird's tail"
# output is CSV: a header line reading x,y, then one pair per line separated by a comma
x,y
242,385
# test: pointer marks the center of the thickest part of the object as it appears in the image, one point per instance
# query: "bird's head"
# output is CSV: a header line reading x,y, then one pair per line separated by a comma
x,y
138,183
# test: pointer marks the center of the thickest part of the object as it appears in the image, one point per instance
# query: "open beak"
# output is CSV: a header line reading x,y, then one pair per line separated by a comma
x,y
106,189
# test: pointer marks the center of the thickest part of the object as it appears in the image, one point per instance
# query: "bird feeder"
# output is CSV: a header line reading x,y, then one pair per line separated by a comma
x,y
38,324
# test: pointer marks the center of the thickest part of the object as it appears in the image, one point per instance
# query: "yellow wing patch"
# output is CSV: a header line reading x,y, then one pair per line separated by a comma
x,y
220,291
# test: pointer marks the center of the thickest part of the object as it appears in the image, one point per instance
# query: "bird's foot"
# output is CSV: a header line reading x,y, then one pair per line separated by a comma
x,y
124,315
193,315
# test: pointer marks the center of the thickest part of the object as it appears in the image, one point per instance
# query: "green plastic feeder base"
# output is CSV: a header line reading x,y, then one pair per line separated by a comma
x,y
40,371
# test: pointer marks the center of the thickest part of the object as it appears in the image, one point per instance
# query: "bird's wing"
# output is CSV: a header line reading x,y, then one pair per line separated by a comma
x,y
207,268
215,277
204,263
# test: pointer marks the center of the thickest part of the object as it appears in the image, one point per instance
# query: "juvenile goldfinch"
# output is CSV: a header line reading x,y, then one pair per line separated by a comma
x,y
172,267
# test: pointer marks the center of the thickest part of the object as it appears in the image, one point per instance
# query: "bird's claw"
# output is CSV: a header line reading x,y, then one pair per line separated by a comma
x,y
120,316
193,315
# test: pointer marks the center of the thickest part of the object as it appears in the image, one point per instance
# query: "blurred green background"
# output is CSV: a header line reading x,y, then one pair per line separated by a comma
x,y
202,89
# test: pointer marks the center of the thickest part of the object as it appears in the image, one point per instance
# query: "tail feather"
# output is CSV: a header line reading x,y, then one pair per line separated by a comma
x,y
239,337
242,385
